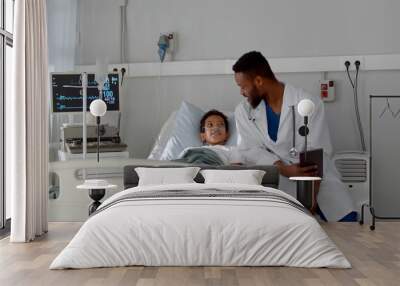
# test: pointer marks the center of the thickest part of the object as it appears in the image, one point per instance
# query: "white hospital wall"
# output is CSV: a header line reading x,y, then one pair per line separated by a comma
x,y
225,30
219,29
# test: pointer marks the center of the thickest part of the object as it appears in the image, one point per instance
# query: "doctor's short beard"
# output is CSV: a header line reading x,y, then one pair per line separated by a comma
x,y
254,98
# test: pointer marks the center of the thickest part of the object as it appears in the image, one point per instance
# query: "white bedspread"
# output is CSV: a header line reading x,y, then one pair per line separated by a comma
x,y
200,231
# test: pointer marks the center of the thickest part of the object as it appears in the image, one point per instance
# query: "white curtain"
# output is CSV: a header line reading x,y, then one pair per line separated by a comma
x,y
28,123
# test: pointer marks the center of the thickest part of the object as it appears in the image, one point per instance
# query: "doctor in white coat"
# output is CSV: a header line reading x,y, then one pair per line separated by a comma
x,y
276,142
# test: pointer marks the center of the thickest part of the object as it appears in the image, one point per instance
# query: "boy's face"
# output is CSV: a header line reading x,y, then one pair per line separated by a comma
x,y
214,132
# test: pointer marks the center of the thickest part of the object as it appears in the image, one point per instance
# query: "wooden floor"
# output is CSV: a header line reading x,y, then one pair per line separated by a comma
x,y
375,256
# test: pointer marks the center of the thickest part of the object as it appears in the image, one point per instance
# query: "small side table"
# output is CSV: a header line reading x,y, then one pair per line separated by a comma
x,y
305,190
97,190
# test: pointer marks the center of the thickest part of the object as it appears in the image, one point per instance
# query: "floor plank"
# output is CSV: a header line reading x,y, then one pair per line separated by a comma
x,y
374,255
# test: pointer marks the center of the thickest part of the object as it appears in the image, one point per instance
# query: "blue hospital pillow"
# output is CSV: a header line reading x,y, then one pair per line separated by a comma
x,y
185,133
163,137
233,135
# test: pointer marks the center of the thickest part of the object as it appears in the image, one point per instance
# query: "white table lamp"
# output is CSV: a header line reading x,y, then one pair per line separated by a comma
x,y
305,108
305,185
98,108
97,188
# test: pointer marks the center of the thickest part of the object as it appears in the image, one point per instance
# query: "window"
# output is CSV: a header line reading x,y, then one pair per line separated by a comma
x,y
9,15
6,65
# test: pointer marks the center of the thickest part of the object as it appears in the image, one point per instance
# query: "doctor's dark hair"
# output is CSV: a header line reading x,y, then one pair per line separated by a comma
x,y
211,113
254,64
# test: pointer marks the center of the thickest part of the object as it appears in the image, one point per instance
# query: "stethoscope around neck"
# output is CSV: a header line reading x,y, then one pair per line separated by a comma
x,y
303,130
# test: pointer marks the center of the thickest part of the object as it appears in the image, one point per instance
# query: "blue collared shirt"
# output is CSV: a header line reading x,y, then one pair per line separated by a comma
x,y
273,122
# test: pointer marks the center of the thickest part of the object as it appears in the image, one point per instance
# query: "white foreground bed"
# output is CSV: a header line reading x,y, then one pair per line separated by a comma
x,y
183,231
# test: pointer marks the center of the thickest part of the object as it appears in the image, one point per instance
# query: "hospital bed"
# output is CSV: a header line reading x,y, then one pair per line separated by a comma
x,y
201,224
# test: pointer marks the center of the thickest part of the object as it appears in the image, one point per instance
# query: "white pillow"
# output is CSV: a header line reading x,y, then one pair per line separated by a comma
x,y
165,176
186,131
248,177
233,135
163,138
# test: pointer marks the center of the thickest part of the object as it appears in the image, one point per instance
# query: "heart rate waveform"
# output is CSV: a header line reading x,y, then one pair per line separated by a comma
x,y
67,92
62,107
64,97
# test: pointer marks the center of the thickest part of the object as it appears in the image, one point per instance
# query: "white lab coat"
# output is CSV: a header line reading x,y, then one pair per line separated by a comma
x,y
333,198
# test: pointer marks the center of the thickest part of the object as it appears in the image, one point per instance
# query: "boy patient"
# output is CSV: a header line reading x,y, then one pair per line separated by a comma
x,y
214,128
214,133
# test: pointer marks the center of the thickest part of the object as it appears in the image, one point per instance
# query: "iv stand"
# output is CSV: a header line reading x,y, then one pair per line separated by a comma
x,y
84,109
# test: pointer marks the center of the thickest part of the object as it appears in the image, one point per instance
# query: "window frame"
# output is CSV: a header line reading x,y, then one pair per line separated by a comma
x,y
6,39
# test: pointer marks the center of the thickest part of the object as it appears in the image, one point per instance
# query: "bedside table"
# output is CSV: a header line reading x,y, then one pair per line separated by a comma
x,y
97,190
305,190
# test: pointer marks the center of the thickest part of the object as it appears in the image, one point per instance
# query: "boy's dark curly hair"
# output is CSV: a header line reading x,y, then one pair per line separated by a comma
x,y
211,113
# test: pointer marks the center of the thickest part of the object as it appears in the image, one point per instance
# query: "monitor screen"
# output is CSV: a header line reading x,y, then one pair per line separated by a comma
x,y
67,92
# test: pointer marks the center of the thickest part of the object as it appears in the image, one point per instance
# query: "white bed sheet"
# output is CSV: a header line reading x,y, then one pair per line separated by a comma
x,y
219,232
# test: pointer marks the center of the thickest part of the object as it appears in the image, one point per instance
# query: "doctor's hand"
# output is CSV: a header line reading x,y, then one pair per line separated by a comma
x,y
295,170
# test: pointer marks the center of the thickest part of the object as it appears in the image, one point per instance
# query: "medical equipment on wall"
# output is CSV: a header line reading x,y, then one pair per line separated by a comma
x,y
122,72
166,46
354,85
327,90
71,140
67,91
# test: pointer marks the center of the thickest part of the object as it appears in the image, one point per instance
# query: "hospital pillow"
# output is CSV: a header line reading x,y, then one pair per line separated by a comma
x,y
163,176
186,131
163,137
247,177
233,135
